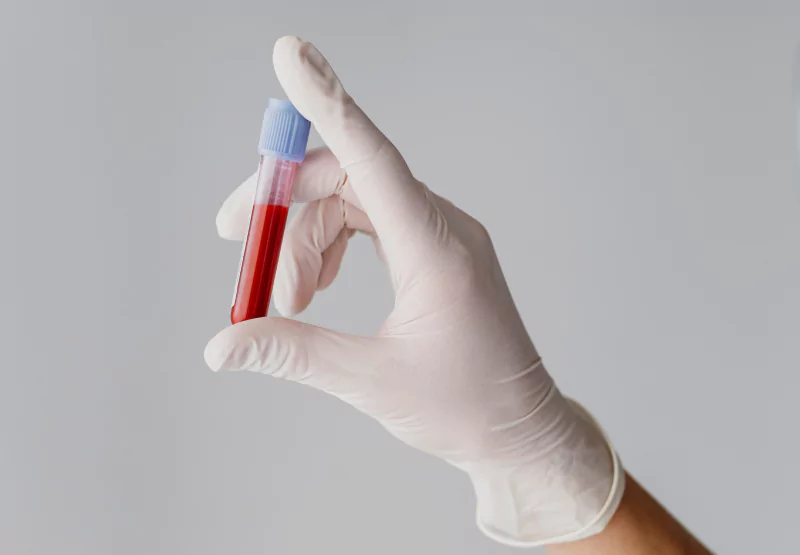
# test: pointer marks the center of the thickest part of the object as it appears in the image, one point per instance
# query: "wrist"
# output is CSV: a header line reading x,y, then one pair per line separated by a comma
x,y
566,490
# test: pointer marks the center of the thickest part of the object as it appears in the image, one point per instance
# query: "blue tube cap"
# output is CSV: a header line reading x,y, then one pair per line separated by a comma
x,y
284,132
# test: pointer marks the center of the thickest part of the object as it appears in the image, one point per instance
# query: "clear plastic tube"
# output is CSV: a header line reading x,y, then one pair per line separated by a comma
x,y
262,246
284,135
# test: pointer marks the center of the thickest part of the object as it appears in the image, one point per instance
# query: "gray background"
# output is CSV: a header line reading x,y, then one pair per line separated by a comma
x,y
636,166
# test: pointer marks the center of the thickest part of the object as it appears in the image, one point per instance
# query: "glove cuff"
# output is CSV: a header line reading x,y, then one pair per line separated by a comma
x,y
569,494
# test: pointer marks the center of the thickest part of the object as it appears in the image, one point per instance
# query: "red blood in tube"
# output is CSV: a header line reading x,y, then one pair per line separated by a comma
x,y
259,262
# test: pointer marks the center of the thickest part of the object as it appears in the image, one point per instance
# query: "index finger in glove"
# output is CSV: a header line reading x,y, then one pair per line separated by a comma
x,y
397,204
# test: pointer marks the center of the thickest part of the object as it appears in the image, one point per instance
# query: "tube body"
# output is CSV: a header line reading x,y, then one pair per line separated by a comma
x,y
264,237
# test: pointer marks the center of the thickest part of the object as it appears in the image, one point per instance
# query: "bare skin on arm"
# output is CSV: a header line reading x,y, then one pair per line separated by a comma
x,y
641,526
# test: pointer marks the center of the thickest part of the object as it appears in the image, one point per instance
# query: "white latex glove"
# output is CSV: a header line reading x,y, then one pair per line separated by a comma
x,y
452,370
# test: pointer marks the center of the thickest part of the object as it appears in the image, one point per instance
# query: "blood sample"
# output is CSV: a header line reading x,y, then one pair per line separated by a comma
x,y
282,146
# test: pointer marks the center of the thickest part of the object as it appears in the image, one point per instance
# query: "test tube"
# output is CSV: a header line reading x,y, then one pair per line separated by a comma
x,y
282,146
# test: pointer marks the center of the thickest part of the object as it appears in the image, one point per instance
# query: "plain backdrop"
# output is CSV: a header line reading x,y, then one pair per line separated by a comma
x,y
636,165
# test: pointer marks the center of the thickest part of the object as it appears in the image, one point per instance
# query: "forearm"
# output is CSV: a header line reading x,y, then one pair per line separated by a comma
x,y
640,527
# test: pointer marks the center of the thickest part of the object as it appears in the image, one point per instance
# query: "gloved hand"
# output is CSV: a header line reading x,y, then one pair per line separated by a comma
x,y
452,370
